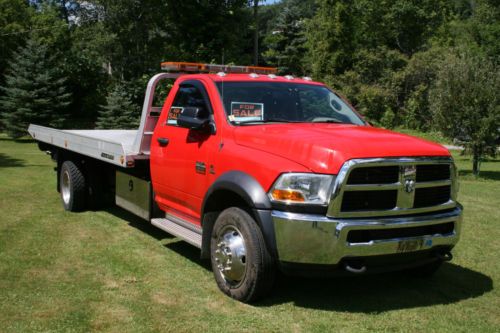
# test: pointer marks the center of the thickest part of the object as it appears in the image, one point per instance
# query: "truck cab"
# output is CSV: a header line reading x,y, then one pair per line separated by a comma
x,y
265,173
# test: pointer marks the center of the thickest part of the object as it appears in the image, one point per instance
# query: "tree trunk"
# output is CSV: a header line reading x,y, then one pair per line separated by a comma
x,y
256,33
475,160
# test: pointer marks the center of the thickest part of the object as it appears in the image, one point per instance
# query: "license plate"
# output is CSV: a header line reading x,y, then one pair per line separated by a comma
x,y
410,245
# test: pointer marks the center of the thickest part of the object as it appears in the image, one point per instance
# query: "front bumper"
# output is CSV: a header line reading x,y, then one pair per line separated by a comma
x,y
317,239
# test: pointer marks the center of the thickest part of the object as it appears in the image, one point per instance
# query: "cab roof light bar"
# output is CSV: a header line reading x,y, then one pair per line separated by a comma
x,y
193,67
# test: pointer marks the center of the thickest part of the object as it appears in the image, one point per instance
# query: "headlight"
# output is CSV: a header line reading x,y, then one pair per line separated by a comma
x,y
302,188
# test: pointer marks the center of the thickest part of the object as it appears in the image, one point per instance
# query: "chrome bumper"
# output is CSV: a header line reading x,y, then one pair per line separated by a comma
x,y
317,239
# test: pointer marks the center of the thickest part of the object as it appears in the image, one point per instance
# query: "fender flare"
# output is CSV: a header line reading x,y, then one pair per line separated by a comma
x,y
247,187
250,190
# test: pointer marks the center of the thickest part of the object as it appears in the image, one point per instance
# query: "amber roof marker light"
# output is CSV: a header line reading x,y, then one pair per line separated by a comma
x,y
194,67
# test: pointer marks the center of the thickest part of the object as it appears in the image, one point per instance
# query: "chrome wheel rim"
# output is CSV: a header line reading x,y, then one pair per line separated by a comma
x,y
230,255
65,187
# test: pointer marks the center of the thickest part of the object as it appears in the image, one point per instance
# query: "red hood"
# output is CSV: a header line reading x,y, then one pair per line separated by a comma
x,y
323,148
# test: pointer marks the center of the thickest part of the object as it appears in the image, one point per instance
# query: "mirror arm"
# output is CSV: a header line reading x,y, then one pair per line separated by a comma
x,y
212,127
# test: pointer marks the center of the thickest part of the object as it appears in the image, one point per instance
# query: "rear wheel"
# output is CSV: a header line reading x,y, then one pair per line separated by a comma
x,y
243,267
72,183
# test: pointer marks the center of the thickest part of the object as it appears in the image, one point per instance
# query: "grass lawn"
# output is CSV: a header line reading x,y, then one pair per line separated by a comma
x,y
109,271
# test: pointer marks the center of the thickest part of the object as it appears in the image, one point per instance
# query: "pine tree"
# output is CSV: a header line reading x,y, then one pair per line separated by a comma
x,y
286,39
34,91
119,111
331,38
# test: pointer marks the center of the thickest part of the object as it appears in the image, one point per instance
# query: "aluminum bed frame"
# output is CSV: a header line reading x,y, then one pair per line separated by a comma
x,y
118,147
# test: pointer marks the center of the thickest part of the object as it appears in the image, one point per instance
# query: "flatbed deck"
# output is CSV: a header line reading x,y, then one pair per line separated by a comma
x,y
112,146
118,147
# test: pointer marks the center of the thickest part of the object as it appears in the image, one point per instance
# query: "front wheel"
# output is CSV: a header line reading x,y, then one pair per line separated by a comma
x,y
243,267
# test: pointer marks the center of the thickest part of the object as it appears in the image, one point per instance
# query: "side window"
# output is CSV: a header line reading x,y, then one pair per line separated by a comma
x,y
187,96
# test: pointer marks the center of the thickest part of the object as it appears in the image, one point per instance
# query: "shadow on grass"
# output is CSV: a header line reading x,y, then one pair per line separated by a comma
x,y
366,294
380,293
184,249
138,223
490,175
7,162
190,252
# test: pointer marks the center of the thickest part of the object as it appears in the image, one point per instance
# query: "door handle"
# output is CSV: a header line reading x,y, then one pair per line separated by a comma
x,y
163,141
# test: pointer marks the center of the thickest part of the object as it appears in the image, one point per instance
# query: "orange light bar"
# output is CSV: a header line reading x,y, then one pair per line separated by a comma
x,y
195,67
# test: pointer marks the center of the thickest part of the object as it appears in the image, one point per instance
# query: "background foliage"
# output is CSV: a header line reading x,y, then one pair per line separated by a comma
x,y
384,56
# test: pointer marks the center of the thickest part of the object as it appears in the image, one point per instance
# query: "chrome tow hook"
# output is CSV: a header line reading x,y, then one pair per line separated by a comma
x,y
444,255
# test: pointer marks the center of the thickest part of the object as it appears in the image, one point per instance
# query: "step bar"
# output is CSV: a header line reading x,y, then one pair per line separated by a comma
x,y
179,228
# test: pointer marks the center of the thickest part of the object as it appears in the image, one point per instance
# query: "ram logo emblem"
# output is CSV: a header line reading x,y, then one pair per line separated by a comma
x,y
409,185
409,175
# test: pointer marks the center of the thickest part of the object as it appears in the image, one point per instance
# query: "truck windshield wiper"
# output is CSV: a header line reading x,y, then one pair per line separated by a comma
x,y
270,120
327,120
336,121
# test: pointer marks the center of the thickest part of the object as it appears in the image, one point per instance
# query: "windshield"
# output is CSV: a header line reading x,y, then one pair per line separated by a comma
x,y
248,103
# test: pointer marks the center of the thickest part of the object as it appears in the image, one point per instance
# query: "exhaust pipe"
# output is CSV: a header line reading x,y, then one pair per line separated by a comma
x,y
354,267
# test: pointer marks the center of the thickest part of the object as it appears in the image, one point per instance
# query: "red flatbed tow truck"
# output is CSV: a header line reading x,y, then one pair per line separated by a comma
x,y
265,173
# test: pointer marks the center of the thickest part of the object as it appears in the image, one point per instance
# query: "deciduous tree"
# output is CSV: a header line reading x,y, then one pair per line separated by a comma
x,y
466,103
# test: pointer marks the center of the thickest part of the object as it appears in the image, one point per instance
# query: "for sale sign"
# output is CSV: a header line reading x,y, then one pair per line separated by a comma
x,y
244,111
173,114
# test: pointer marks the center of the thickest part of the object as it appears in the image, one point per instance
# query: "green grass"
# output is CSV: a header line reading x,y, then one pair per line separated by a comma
x,y
108,271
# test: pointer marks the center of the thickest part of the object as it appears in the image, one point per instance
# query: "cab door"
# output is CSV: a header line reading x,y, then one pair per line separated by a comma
x,y
181,158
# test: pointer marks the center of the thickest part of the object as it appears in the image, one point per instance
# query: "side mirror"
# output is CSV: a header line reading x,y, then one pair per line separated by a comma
x,y
193,118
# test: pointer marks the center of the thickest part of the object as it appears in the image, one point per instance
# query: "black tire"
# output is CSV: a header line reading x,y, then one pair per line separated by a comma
x,y
424,271
259,266
98,196
98,177
73,187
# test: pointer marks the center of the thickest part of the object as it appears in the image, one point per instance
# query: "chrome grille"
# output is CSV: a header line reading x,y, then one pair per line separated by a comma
x,y
374,175
368,235
369,200
393,186
431,196
431,172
